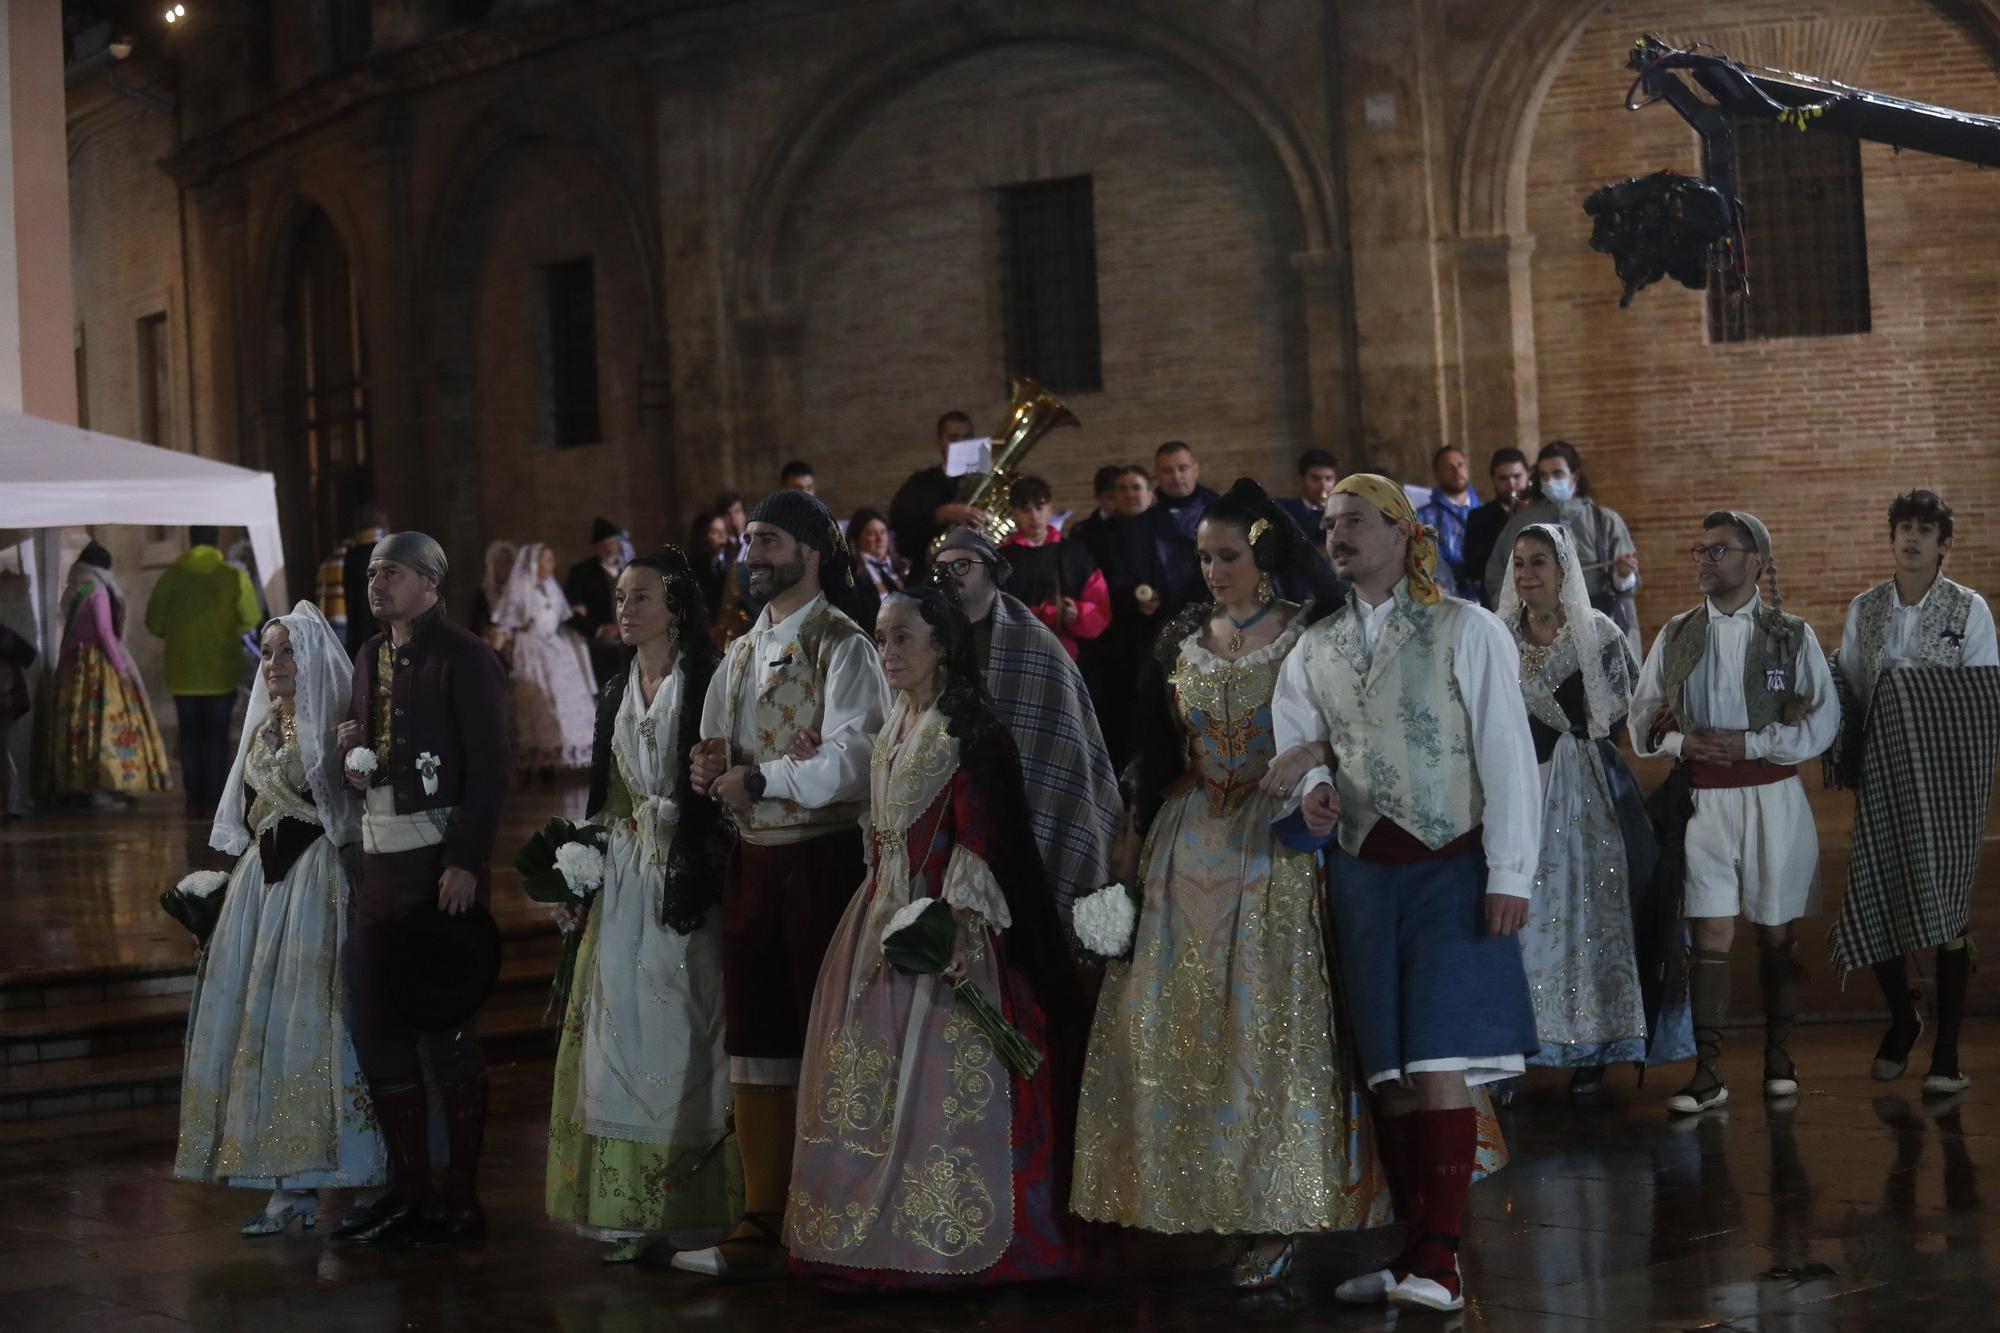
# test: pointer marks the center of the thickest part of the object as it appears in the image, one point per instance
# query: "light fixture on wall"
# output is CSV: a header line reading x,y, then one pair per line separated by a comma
x,y
177,13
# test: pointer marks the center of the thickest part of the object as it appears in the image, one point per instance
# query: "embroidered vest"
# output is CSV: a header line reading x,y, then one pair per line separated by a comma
x,y
1937,641
1396,720
789,700
1770,662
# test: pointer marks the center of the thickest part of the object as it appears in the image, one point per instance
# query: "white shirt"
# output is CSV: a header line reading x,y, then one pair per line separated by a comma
x,y
857,699
1979,648
1487,667
1715,695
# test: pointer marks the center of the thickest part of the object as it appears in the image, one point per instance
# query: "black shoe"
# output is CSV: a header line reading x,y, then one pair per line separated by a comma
x,y
1587,1083
443,1223
384,1222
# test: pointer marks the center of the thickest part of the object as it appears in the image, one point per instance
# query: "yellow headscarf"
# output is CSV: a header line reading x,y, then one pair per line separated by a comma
x,y
1421,564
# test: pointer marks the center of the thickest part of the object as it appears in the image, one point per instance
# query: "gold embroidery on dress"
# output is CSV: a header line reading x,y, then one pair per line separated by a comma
x,y
276,772
856,1099
834,1229
943,1205
972,1078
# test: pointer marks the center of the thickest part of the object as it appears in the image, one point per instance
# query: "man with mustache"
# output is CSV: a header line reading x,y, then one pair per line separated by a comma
x,y
788,730
429,699
1909,879
1432,803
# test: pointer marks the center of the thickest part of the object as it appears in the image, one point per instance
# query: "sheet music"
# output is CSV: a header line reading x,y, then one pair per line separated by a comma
x,y
969,456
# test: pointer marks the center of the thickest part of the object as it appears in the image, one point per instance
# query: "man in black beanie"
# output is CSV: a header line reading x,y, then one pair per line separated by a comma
x,y
591,588
804,670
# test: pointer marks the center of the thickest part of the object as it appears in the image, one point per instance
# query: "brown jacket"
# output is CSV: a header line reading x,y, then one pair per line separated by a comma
x,y
449,699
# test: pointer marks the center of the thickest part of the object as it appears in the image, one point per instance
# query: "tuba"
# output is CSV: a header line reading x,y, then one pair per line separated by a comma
x,y
1036,412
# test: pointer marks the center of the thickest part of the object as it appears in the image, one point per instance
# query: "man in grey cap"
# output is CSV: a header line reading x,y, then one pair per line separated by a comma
x,y
429,708
1738,693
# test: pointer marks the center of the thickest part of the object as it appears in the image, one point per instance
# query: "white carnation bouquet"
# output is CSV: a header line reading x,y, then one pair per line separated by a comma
x,y
362,760
1106,919
919,941
564,863
196,902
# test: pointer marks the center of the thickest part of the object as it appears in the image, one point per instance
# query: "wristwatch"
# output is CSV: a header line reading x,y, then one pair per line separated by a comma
x,y
753,782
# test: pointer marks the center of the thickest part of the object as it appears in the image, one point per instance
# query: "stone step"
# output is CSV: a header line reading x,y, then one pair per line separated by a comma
x,y
110,1027
511,1027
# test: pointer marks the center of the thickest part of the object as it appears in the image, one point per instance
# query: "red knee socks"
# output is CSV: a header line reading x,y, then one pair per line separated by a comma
x,y
1443,1146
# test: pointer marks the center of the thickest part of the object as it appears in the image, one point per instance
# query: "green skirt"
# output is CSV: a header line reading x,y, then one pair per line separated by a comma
x,y
611,1189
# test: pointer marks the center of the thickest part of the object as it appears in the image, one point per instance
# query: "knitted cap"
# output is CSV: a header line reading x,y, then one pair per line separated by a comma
x,y
805,517
414,551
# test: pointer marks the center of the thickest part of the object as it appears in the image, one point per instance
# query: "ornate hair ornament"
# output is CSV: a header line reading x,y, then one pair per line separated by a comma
x,y
1258,529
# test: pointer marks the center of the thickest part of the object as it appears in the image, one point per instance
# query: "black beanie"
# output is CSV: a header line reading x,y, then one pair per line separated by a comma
x,y
603,530
806,518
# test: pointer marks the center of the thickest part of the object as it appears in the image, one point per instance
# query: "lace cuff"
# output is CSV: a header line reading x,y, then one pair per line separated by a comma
x,y
970,885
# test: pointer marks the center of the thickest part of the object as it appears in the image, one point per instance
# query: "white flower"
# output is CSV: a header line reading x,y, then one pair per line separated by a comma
x,y
361,760
905,916
202,883
582,867
1105,921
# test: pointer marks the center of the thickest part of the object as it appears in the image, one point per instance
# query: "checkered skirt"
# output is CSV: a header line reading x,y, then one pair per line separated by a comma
x,y
1928,748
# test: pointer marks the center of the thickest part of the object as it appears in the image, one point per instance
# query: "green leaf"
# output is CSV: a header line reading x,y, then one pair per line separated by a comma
x,y
924,946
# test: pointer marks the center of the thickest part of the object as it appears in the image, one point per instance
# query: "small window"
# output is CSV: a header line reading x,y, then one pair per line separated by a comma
x,y
1049,283
568,297
1806,244
155,385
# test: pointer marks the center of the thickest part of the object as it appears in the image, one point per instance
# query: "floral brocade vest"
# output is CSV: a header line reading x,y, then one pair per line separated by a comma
x,y
1401,737
1937,641
790,698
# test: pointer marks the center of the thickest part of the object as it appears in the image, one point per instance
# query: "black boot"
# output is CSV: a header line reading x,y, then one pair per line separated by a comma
x,y
1906,1024
458,1215
402,1113
1708,1001
1779,973
1955,964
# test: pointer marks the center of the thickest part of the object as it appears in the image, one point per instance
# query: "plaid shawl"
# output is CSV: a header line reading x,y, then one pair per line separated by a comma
x,y
1073,801
1927,754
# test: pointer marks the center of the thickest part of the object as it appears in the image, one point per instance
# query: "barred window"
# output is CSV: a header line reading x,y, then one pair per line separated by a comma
x,y
1807,247
567,294
1049,283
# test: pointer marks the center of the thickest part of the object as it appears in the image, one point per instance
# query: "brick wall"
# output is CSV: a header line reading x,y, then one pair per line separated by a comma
x,y
1815,435
901,276
549,207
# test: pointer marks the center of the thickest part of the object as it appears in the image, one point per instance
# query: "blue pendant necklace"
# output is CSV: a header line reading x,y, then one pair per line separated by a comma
x,y
1236,640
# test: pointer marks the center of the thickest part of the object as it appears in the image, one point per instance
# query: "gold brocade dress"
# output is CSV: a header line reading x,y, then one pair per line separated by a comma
x,y
1216,1093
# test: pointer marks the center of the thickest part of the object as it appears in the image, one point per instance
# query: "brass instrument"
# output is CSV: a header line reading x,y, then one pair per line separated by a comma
x,y
1036,412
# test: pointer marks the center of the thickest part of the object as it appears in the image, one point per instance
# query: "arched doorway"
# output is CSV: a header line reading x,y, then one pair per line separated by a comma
x,y
328,466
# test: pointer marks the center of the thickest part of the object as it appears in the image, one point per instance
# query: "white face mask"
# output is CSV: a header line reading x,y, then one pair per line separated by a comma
x,y
1559,489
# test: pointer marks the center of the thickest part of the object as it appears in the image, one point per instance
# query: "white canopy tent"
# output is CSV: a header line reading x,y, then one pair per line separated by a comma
x,y
54,476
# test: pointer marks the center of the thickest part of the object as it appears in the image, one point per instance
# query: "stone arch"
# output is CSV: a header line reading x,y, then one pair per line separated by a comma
x,y
764,279
270,348
844,100
1498,130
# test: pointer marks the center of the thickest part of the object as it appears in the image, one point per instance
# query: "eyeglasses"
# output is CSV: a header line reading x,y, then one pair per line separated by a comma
x,y
1713,554
956,568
